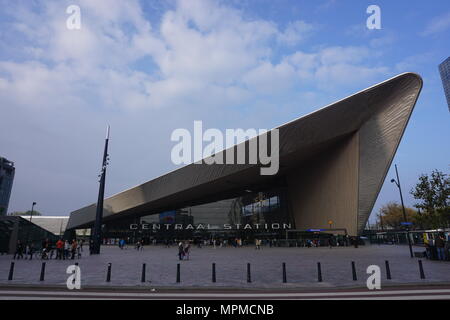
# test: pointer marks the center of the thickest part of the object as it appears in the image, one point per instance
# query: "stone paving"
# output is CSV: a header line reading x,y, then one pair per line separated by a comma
x,y
231,267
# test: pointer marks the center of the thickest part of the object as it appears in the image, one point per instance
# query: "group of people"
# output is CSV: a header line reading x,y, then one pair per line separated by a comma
x,y
442,246
184,250
64,250
139,245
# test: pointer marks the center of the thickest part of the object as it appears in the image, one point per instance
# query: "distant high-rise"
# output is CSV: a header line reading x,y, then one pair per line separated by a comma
x,y
444,69
6,181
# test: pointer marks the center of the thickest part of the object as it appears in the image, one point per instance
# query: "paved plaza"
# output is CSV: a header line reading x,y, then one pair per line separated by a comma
x,y
231,267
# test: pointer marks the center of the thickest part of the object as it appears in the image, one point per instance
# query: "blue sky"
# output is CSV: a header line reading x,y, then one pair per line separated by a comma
x,y
150,67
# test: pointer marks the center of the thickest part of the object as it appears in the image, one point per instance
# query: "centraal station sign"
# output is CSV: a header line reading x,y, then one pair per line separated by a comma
x,y
201,226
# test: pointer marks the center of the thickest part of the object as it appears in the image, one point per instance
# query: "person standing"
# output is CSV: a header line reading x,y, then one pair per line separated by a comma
x,y
180,251
187,248
59,249
66,249
74,248
440,245
27,250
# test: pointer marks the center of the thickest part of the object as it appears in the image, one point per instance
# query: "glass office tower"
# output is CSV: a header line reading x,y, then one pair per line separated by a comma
x,y
444,70
6,181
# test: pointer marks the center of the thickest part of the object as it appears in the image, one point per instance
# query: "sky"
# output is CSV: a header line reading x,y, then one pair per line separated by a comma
x,y
149,67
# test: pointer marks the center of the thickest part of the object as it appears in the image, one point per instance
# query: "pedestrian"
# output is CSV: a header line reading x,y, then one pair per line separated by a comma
x,y
440,245
180,251
30,250
187,248
66,249
256,244
81,245
27,251
74,247
59,249
19,250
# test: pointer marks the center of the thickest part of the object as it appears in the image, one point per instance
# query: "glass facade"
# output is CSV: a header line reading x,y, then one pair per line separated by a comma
x,y
444,70
260,215
14,228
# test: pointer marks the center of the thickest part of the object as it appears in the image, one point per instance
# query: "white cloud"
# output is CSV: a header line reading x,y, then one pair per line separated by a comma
x,y
200,46
295,32
333,67
437,25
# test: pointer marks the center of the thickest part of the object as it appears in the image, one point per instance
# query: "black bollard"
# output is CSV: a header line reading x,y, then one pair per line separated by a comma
x,y
319,272
108,275
178,273
354,271
422,274
11,271
42,272
284,273
143,273
388,270
249,275
213,272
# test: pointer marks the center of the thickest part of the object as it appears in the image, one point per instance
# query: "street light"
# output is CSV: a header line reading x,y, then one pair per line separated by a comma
x,y
31,217
397,183
32,208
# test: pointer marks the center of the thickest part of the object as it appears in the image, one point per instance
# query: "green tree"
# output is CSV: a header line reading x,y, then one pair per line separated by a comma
x,y
26,213
391,216
433,195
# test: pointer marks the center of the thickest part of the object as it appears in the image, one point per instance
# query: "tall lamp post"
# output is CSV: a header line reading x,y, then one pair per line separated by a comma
x,y
397,183
32,210
97,234
31,217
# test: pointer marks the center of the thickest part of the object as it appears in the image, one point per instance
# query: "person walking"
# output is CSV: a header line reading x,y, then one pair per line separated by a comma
x,y
19,250
30,250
